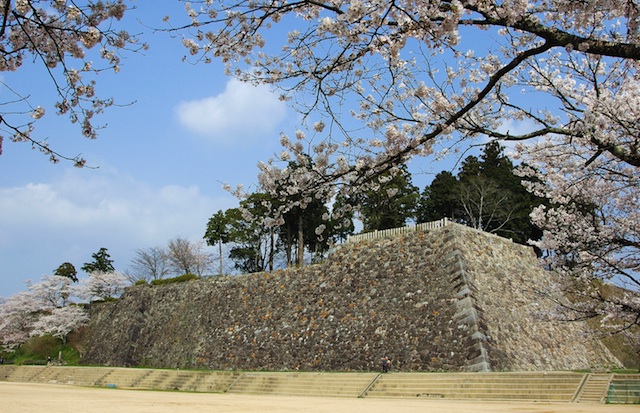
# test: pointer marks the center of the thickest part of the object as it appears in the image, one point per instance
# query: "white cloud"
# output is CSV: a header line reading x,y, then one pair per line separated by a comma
x,y
241,112
515,127
43,225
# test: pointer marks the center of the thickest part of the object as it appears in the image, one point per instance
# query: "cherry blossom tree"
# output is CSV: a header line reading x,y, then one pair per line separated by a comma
x,y
591,227
101,286
421,78
17,315
51,292
70,42
60,322
20,312
188,257
419,75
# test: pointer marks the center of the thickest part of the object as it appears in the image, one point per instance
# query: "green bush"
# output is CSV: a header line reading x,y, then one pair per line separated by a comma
x,y
180,279
36,350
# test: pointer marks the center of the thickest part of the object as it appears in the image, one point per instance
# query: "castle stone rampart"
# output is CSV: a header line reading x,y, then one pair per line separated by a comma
x,y
446,299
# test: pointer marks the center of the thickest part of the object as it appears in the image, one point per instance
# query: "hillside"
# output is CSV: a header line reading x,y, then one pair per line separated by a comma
x,y
451,299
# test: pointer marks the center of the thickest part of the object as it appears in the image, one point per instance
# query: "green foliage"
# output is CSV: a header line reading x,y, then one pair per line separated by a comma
x,y
36,350
486,195
299,229
252,239
67,270
246,259
439,200
218,229
101,263
390,205
179,279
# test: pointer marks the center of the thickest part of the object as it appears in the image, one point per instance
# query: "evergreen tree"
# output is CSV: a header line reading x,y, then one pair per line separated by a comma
x,y
253,241
391,204
486,194
218,232
493,197
102,262
470,167
67,270
300,227
440,199
341,219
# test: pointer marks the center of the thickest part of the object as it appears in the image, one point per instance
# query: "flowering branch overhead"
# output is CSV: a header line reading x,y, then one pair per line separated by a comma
x,y
59,37
421,76
373,51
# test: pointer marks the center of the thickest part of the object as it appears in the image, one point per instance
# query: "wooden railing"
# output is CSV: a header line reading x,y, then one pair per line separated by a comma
x,y
392,232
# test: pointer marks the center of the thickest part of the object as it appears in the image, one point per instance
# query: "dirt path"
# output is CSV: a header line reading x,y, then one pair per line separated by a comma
x,y
41,398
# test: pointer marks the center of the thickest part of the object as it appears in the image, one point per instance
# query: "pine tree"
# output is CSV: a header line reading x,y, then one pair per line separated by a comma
x,y
102,262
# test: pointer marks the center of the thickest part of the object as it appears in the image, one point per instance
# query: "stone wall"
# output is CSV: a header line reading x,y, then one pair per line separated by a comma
x,y
451,299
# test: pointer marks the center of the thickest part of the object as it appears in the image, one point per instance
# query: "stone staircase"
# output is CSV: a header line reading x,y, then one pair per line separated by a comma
x,y
217,382
557,387
184,380
530,387
20,374
594,388
123,377
6,372
304,384
80,376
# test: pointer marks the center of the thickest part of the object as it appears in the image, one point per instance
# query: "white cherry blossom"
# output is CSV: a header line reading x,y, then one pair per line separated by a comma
x,y
422,77
56,35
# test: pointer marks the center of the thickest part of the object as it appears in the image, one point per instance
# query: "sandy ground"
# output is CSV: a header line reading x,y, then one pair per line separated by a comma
x,y
42,398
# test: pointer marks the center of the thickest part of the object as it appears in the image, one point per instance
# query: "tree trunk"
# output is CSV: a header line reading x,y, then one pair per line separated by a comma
x,y
220,251
271,248
288,245
300,242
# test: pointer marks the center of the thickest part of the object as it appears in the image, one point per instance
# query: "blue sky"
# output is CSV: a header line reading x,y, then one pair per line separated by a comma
x,y
182,131
161,161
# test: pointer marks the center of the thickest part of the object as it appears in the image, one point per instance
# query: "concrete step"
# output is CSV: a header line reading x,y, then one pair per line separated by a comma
x,y
203,381
544,387
6,372
216,382
559,387
22,374
82,376
123,377
304,384
595,388
156,379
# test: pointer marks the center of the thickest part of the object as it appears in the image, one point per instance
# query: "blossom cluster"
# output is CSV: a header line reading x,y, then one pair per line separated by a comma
x,y
59,34
393,59
590,224
46,306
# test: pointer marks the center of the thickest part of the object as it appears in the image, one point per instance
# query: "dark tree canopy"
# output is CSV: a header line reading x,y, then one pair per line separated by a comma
x,y
67,269
486,194
440,199
389,204
102,262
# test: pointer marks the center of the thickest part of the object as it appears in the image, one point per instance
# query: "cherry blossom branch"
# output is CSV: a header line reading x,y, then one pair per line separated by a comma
x,y
54,36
